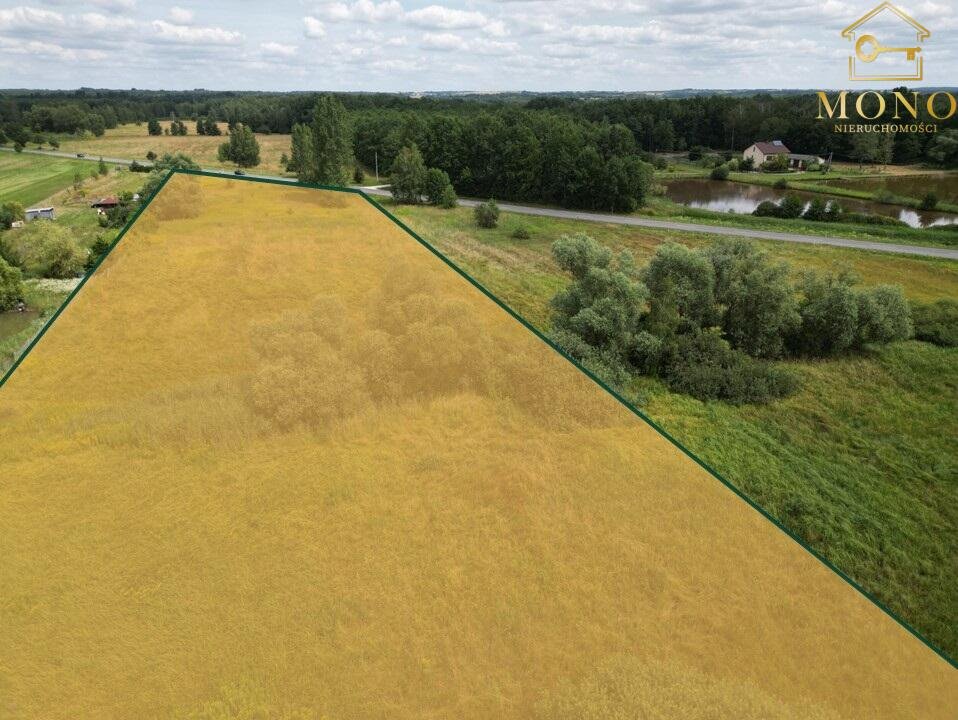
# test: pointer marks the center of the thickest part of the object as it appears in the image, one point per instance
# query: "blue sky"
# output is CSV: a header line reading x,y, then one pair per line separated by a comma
x,y
410,45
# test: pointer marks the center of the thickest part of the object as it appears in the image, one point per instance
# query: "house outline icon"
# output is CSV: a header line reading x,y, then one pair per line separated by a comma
x,y
922,33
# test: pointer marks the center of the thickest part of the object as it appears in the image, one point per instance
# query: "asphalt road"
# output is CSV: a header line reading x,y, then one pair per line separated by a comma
x,y
631,220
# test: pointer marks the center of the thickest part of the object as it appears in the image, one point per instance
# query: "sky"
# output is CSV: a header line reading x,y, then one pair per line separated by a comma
x,y
423,45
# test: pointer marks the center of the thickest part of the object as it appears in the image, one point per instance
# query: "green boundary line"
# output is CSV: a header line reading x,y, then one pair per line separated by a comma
x,y
625,403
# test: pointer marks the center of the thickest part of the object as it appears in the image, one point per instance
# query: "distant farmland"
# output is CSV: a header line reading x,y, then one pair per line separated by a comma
x,y
28,179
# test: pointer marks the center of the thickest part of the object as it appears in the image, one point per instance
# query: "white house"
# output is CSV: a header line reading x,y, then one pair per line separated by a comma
x,y
762,151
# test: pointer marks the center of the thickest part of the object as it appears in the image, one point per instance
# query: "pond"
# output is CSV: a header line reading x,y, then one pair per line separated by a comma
x,y
14,322
725,196
944,185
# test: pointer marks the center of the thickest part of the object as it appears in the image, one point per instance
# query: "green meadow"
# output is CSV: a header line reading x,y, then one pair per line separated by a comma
x,y
859,463
28,179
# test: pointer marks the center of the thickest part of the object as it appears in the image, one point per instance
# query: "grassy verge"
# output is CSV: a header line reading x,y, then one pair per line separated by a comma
x,y
43,299
939,237
28,179
858,463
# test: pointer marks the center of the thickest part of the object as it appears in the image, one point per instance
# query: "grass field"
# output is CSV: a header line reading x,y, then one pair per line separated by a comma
x,y
860,463
133,142
320,475
28,179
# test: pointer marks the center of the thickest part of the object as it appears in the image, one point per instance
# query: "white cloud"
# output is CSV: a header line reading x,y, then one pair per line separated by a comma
x,y
37,48
278,49
29,18
362,11
181,16
443,41
115,5
168,32
97,23
313,28
443,18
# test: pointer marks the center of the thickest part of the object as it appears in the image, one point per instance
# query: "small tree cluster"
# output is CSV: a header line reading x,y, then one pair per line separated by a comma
x,y
411,182
207,126
10,212
322,151
11,285
792,207
709,322
178,127
153,127
242,148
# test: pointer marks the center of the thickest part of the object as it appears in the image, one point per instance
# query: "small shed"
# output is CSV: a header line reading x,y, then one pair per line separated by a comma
x,y
33,213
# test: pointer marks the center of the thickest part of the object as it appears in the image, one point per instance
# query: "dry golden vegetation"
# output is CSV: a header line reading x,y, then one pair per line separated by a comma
x,y
132,142
277,460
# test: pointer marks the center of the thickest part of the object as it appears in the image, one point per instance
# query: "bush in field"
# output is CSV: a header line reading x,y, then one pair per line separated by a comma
x,y
817,210
44,249
719,173
834,212
521,233
448,199
153,127
705,366
937,323
11,285
434,185
11,212
681,284
929,201
150,155
780,184
487,214
767,208
760,308
97,250
791,206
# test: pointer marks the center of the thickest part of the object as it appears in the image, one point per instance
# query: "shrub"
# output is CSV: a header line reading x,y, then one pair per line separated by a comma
x,y
358,175
681,283
435,183
703,365
937,323
448,200
44,249
487,214
521,233
929,201
11,285
884,196
767,208
150,155
883,315
10,212
791,206
834,212
817,210
696,152
97,250
780,184
719,173
861,218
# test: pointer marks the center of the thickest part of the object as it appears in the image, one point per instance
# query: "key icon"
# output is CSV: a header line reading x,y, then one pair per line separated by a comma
x,y
877,49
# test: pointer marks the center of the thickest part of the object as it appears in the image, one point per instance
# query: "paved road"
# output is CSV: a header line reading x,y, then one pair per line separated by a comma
x,y
73,156
947,253
382,190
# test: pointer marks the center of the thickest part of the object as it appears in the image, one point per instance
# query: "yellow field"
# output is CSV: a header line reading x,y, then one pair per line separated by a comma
x,y
277,460
132,142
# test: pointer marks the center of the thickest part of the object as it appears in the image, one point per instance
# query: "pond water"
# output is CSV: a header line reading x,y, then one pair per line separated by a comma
x,y
13,322
944,185
741,198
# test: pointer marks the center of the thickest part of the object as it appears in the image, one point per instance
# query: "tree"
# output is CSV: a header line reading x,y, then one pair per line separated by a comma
x,y
150,155
791,206
242,147
944,148
45,249
487,214
11,212
434,185
407,176
332,153
97,250
153,127
720,172
760,305
358,175
301,152
597,317
829,315
681,283
11,285
448,199
865,148
817,210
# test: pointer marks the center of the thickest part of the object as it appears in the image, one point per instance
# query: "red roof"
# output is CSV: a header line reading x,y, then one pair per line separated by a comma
x,y
772,147
108,201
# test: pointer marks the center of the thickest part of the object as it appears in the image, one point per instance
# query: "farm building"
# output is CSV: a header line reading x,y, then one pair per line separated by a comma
x,y
762,151
105,203
33,213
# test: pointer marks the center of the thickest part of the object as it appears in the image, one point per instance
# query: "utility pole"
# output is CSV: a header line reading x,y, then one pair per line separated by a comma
x,y
376,152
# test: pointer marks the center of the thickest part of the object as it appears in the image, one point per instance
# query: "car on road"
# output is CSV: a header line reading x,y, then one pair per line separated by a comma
x,y
81,154
238,171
